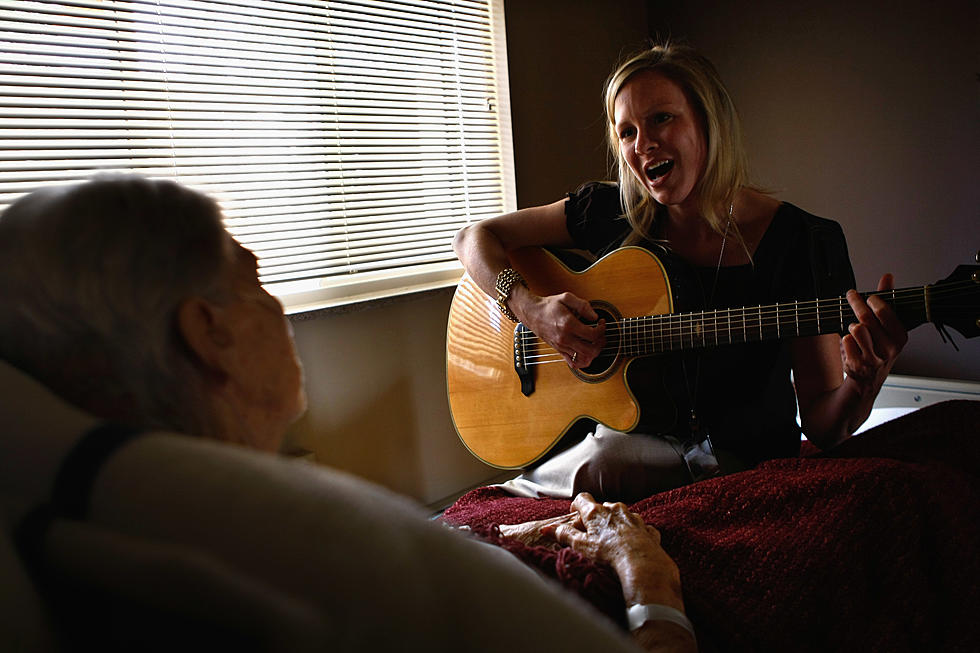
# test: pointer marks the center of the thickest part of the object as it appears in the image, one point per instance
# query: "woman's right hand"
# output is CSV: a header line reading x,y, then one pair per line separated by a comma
x,y
566,322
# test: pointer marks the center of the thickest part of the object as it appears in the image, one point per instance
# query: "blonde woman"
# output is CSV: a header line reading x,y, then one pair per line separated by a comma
x,y
683,193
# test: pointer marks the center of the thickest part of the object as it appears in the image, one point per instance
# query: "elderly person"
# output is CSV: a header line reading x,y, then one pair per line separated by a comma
x,y
127,297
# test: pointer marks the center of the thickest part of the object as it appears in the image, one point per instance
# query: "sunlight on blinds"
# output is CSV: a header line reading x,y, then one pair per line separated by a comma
x,y
346,141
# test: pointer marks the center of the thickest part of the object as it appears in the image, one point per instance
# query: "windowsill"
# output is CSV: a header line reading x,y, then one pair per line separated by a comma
x,y
369,304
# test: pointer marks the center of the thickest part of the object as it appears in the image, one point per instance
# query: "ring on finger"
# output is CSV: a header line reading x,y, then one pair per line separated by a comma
x,y
574,356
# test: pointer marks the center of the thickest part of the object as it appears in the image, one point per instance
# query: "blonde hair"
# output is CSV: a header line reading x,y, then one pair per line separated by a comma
x,y
726,165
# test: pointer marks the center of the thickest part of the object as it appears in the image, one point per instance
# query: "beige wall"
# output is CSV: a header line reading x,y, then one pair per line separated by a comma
x,y
376,375
864,112
377,397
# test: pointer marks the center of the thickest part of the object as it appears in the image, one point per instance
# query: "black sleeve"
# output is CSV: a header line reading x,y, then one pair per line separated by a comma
x,y
830,263
806,259
593,216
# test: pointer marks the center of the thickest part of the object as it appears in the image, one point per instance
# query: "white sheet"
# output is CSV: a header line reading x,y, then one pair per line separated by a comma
x,y
882,415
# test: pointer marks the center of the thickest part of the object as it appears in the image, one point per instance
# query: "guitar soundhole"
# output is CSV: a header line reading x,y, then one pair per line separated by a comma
x,y
605,363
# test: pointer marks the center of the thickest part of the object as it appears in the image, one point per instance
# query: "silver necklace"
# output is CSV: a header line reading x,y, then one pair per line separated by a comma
x,y
692,393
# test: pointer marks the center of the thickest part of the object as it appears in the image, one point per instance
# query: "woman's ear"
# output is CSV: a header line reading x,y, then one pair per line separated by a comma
x,y
201,325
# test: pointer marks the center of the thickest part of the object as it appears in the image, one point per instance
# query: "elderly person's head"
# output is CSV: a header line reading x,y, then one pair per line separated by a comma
x,y
128,297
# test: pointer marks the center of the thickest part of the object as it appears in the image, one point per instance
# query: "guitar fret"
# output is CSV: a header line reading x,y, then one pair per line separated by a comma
x,y
676,336
818,315
796,315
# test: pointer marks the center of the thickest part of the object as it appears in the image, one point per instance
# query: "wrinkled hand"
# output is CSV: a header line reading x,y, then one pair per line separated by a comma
x,y
870,348
606,532
537,533
558,320
609,533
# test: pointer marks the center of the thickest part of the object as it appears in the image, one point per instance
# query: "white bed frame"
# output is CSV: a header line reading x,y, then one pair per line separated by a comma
x,y
903,394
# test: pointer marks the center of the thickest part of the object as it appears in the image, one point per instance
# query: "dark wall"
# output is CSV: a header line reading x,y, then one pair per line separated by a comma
x,y
559,53
864,112
867,113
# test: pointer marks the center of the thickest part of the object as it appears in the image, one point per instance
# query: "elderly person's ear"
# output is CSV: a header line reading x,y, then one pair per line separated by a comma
x,y
202,326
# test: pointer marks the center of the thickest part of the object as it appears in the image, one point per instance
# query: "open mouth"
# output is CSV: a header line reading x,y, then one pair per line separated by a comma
x,y
659,170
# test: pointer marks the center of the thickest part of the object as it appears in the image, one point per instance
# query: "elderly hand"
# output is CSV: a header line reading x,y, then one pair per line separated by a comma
x,y
537,533
611,534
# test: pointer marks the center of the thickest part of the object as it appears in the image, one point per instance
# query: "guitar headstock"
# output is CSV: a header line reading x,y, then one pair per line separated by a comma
x,y
955,301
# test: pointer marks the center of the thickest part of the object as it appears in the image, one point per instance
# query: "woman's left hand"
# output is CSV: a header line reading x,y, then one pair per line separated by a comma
x,y
873,343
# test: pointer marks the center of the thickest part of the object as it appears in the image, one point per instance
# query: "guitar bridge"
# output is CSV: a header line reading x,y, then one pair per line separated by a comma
x,y
520,359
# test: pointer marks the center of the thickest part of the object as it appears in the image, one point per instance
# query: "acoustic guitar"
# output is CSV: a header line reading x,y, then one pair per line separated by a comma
x,y
512,397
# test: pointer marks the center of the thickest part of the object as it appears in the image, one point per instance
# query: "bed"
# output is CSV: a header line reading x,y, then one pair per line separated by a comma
x,y
872,546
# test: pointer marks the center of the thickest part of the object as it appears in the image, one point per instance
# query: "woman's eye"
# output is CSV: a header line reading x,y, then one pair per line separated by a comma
x,y
661,118
626,132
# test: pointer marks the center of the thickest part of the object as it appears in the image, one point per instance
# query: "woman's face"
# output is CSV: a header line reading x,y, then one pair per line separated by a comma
x,y
267,376
660,138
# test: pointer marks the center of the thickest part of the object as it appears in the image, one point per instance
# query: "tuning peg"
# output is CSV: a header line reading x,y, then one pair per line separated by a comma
x,y
978,256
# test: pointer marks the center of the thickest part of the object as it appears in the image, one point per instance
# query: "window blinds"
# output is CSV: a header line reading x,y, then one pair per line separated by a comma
x,y
347,141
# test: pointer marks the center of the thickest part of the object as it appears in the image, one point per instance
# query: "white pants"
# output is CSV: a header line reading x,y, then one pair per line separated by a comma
x,y
609,465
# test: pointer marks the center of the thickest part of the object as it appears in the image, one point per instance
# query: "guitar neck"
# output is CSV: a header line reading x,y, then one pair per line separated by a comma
x,y
653,334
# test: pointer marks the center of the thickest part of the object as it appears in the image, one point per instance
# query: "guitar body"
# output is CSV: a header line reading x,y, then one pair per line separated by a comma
x,y
512,397
495,420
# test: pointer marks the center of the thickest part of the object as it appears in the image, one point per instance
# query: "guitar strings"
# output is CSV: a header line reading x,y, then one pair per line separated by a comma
x,y
642,333
689,328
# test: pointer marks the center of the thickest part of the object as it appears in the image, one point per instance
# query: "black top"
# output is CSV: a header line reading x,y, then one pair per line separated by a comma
x,y
743,393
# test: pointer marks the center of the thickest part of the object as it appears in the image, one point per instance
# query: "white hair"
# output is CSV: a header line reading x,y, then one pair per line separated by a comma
x,y
91,280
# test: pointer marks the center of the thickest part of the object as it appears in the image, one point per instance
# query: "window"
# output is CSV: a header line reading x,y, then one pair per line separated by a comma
x,y
347,141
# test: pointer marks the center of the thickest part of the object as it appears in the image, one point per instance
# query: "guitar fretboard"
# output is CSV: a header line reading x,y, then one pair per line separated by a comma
x,y
638,336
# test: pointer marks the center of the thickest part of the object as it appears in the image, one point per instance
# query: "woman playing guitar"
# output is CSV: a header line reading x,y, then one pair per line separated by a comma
x,y
683,194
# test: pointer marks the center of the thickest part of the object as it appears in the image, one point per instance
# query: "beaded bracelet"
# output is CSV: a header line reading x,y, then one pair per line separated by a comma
x,y
505,283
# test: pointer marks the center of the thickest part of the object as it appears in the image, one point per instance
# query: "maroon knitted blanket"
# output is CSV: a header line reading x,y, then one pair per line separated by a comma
x,y
874,546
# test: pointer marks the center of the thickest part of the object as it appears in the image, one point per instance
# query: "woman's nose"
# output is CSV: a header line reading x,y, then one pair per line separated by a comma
x,y
644,143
